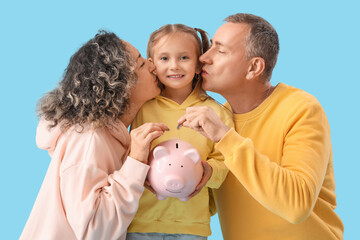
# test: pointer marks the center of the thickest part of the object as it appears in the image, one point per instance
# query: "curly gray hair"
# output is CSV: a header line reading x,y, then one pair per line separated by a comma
x,y
95,88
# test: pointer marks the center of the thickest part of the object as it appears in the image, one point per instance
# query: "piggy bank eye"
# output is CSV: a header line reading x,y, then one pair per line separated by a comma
x,y
169,164
182,166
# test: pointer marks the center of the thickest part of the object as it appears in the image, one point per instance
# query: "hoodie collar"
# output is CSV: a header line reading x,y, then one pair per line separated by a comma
x,y
191,100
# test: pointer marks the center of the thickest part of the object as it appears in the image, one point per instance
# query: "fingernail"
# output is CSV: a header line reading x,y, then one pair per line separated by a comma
x,y
167,129
178,126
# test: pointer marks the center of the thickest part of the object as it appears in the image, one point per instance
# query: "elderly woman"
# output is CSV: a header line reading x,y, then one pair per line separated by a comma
x,y
96,177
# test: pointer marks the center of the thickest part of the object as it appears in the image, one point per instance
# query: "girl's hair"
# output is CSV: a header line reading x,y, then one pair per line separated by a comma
x,y
96,84
203,44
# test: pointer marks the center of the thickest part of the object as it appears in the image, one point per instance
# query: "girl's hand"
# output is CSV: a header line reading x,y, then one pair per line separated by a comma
x,y
148,186
142,137
205,178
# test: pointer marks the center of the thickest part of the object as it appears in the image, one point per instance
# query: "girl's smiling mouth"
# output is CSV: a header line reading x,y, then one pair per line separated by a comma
x,y
176,76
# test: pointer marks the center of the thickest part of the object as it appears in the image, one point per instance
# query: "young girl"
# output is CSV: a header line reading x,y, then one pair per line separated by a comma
x,y
175,50
96,177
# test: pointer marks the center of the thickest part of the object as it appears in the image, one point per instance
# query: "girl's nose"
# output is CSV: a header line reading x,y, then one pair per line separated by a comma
x,y
174,65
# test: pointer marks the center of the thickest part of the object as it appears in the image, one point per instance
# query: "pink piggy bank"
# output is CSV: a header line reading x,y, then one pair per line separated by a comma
x,y
175,169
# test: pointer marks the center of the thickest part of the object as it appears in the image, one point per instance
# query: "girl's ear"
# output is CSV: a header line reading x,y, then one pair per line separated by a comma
x,y
198,70
151,60
198,67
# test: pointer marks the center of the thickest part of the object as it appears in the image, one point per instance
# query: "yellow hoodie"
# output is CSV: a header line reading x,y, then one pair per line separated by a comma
x,y
172,215
281,182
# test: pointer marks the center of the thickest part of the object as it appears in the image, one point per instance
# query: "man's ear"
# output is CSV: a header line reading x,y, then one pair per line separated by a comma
x,y
256,67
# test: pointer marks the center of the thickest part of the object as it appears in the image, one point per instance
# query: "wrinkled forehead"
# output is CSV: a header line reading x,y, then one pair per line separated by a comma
x,y
231,35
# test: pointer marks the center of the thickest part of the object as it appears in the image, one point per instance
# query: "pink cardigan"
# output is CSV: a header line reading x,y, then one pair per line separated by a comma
x,y
91,189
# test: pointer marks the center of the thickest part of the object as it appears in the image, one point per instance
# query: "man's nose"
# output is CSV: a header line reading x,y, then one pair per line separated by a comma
x,y
205,58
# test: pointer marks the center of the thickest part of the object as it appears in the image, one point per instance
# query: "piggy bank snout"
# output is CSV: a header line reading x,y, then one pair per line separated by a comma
x,y
174,183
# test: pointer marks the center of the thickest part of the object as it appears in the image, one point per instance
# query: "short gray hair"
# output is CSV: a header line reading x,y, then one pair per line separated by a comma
x,y
262,41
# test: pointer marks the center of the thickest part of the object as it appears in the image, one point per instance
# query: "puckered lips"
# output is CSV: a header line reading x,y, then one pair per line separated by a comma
x,y
203,72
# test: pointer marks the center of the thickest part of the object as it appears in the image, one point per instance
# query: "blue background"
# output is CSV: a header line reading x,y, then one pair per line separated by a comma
x,y
319,52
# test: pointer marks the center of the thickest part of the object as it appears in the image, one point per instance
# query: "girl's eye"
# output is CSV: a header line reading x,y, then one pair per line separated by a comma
x,y
184,57
163,58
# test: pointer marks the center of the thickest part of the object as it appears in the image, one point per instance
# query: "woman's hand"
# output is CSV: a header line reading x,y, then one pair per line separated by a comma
x,y
142,137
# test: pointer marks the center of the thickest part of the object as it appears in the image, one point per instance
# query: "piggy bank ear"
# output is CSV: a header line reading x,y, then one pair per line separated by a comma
x,y
192,154
160,152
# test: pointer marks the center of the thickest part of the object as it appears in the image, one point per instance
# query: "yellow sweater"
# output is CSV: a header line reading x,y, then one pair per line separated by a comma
x,y
172,215
281,181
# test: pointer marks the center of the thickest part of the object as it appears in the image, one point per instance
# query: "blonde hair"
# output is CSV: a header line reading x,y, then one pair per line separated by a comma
x,y
203,45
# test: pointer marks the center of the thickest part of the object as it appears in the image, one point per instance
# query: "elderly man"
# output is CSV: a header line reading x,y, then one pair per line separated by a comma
x,y
281,182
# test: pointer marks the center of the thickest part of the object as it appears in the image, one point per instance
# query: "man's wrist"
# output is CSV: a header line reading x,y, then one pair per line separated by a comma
x,y
222,132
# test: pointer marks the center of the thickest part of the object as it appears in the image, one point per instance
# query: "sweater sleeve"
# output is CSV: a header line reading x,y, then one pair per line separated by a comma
x,y
289,186
216,159
220,171
99,205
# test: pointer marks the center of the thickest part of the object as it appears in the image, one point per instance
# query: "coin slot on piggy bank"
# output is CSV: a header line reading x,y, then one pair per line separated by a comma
x,y
175,169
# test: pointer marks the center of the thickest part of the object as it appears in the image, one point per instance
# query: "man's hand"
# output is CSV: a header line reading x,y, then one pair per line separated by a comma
x,y
205,121
205,178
